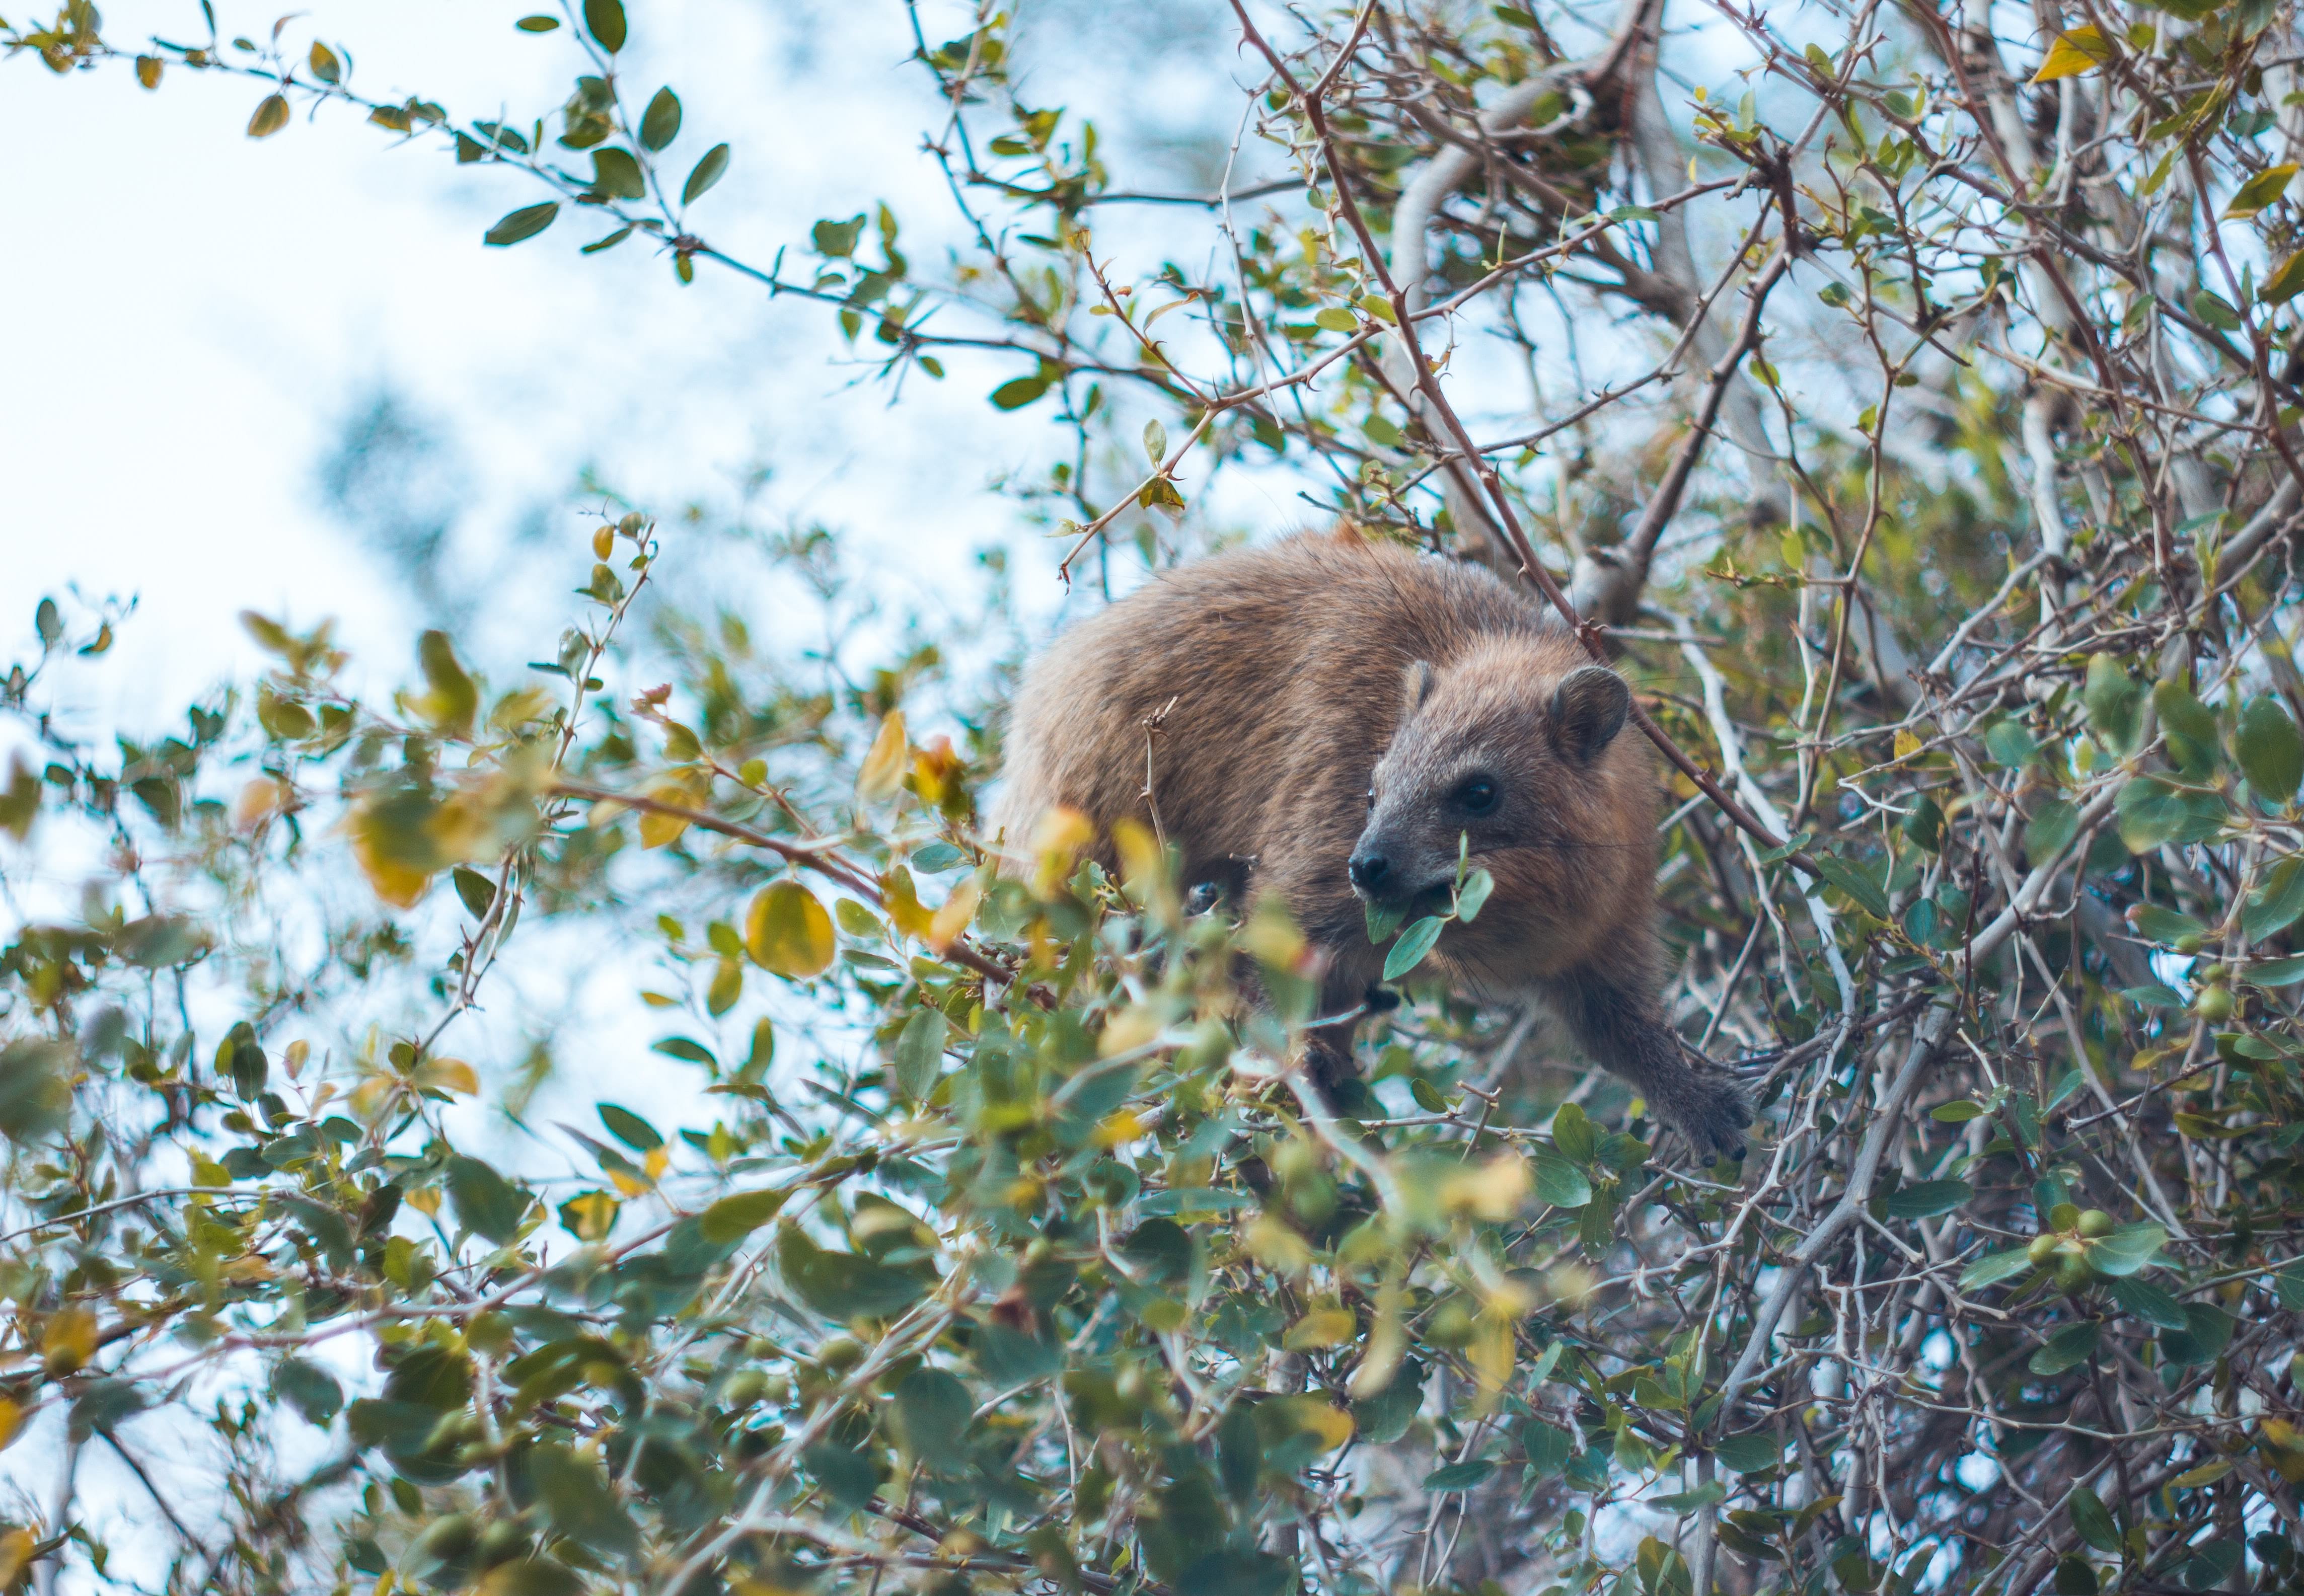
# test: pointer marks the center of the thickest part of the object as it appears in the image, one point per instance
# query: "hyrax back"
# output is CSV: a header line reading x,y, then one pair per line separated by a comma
x,y
1330,717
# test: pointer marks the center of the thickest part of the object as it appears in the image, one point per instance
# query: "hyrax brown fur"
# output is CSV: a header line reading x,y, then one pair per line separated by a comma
x,y
1332,715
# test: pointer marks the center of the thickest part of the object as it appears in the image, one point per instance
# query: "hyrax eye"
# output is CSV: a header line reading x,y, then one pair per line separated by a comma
x,y
1371,798
1476,796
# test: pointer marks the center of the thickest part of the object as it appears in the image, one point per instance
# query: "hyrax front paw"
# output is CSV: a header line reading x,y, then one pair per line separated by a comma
x,y
1713,1116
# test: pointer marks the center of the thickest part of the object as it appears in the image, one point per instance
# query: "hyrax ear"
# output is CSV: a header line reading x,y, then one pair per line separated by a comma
x,y
1416,687
1588,710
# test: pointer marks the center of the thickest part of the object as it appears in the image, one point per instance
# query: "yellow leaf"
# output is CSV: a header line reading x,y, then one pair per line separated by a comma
x,y
1118,1129
629,1184
903,901
1131,1028
271,117
426,1201
259,802
2205,1475
1386,1343
1143,865
69,1342
12,1420
788,931
659,830
2260,192
2285,283
1057,842
392,879
1322,1327
1277,1247
1491,1355
884,765
953,919
1315,1416
15,1555
590,1216
2283,1448
448,1075
1494,1190
2082,50
1271,936
1907,745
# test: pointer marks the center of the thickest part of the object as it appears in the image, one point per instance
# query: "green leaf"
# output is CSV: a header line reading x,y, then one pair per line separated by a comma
x,y
2152,811
1558,1182
1017,393
843,1285
1548,1447
1572,1134
660,122
2270,753
1749,1454
1382,920
523,223
2275,901
2207,1331
1473,894
1994,1268
2275,972
2288,1285
932,1410
686,1050
2092,1520
1414,943
2165,924
2127,1249
1957,1111
629,1128
605,20
1925,1199
709,170
616,174
578,1503
478,892
1857,885
2073,1344
310,1389
918,1056
2212,309
2112,697
1682,1503
2050,830
538,23
2190,729
486,1203
1459,1477
2140,1296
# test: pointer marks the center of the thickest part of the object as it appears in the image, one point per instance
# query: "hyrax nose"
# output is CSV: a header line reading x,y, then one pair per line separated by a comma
x,y
1369,871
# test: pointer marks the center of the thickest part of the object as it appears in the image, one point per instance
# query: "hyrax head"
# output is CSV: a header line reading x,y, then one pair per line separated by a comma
x,y
1501,752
